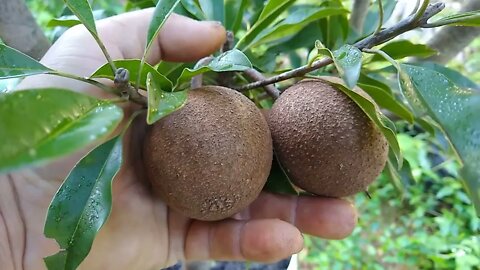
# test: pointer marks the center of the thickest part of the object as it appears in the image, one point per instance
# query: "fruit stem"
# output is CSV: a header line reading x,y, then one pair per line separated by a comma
x,y
381,37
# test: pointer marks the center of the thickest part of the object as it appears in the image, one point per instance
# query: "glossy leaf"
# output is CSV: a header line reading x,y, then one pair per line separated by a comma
x,y
278,181
271,11
456,77
233,60
382,122
300,17
15,64
162,103
456,110
348,60
82,205
43,124
132,66
387,101
404,48
163,10
213,10
471,18
83,11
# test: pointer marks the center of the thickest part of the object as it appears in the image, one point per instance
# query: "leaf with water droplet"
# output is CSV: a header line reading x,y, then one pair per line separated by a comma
x,y
161,103
74,221
348,60
34,131
14,64
456,110
233,60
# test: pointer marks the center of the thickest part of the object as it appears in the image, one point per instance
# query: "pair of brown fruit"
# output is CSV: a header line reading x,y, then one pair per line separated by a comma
x,y
211,159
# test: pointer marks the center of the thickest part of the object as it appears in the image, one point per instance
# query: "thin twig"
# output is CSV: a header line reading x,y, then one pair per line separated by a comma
x,y
421,11
226,78
381,37
257,76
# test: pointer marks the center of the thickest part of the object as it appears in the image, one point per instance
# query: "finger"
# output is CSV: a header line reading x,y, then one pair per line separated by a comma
x,y
328,218
181,39
264,240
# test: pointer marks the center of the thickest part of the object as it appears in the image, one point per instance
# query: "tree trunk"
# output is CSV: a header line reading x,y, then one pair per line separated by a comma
x,y
451,40
18,29
359,12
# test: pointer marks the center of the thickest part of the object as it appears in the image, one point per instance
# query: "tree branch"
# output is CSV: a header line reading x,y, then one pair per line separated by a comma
x,y
381,37
257,76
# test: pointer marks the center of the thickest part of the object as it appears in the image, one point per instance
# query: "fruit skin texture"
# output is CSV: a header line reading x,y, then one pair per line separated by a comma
x,y
210,159
324,141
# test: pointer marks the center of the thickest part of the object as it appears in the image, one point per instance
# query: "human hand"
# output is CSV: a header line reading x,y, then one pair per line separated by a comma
x,y
142,232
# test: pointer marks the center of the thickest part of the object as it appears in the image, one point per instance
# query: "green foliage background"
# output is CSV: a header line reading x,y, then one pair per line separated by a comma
x,y
430,224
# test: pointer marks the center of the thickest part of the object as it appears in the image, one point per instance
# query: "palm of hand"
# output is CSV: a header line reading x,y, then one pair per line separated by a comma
x,y
143,233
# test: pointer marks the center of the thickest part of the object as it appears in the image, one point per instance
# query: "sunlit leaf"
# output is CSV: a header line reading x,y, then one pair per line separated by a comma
x,y
162,103
348,60
272,9
82,205
233,60
132,66
455,109
83,11
16,64
43,124
299,18
404,48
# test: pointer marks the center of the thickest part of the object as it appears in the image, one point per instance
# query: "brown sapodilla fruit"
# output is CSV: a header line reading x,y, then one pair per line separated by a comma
x,y
324,141
210,159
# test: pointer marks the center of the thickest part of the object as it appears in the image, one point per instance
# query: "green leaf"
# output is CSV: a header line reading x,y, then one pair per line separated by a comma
x,y
43,124
387,101
348,60
278,181
372,19
132,66
382,122
16,64
63,23
213,10
233,60
404,48
162,103
234,11
163,10
456,77
83,11
298,19
192,7
82,205
271,11
471,18
456,110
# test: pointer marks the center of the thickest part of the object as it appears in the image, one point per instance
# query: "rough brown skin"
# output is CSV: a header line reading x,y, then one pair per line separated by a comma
x,y
325,142
210,159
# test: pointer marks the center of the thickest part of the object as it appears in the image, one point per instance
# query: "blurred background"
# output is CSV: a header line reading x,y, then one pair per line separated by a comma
x,y
429,223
